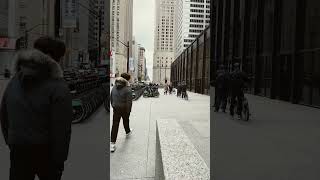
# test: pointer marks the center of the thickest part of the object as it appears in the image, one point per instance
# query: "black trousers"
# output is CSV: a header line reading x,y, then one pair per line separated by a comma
x,y
220,99
239,96
34,160
117,115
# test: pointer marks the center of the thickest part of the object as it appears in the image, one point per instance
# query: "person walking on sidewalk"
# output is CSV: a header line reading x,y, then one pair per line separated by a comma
x,y
238,81
179,89
221,89
166,88
36,113
121,101
184,90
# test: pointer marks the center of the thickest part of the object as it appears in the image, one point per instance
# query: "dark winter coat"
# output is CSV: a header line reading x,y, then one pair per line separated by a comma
x,y
121,95
222,80
238,80
36,108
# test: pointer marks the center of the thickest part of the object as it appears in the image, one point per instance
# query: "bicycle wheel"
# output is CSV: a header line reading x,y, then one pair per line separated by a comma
x,y
186,97
78,114
245,111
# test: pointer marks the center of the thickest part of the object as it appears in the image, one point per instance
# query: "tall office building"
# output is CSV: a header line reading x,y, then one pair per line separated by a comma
x,y
100,6
121,34
164,40
19,20
135,55
191,18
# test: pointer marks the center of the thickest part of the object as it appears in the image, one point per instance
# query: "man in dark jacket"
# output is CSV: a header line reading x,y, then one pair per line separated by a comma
x,y
36,113
121,101
238,80
221,89
179,89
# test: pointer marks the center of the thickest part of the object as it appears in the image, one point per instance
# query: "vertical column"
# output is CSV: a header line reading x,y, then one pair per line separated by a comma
x,y
225,31
218,35
204,60
191,66
196,78
276,49
245,28
297,71
258,41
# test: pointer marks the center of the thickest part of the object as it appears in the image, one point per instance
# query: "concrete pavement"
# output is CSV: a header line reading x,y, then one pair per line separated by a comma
x,y
135,156
281,142
88,149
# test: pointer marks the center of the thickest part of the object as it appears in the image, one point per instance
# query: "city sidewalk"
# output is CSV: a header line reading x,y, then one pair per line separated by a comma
x,y
281,141
135,156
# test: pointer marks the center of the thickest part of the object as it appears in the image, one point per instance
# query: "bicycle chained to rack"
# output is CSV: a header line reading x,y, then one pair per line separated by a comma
x,y
88,93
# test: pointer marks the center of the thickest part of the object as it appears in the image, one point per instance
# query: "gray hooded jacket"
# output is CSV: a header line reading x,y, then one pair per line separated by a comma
x,y
36,108
121,95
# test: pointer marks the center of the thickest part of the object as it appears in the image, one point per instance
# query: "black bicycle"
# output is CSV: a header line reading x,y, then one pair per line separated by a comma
x,y
245,112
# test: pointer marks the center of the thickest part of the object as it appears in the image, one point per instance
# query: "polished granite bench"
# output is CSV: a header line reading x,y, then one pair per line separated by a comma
x,y
176,156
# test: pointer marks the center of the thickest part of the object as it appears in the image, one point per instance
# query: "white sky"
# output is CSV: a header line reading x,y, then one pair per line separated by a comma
x,y
143,28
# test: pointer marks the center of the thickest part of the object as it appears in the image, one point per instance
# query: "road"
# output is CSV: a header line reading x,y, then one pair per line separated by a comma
x,y
281,142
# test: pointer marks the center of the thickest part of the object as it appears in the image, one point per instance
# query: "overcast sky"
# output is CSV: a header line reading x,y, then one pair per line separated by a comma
x,y
143,28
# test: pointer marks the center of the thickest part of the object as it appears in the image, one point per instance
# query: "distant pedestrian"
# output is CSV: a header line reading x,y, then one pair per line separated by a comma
x,y
170,88
166,88
36,113
179,89
221,89
238,82
121,101
184,90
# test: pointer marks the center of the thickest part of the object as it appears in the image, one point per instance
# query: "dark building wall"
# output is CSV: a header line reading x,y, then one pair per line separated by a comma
x,y
193,65
277,43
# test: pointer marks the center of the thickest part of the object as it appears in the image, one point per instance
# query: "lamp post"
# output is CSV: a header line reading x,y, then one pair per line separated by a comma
x,y
165,73
160,75
128,48
98,14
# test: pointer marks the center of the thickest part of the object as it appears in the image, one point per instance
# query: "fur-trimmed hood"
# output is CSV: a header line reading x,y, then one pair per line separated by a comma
x,y
120,82
35,64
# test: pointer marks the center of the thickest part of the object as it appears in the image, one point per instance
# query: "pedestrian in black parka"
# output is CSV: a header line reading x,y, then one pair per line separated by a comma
x,y
36,113
221,89
121,101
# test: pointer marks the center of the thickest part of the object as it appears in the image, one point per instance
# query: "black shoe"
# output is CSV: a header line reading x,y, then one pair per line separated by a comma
x,y
224,111
216,110
232,114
